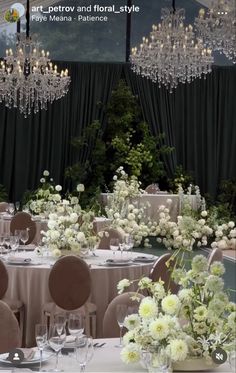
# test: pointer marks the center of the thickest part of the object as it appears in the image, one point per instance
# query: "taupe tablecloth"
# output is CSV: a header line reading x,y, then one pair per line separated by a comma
x,y
30,284
155,201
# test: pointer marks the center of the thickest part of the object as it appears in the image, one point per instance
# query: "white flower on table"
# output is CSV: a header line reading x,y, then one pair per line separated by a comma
x,y
170,304
148,308
178,350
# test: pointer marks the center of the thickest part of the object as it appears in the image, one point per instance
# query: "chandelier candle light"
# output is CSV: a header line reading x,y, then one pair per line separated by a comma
x,y
217,27
172,54
28,79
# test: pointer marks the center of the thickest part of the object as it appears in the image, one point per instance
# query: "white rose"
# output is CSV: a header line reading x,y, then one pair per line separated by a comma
x,y
58,188
80,188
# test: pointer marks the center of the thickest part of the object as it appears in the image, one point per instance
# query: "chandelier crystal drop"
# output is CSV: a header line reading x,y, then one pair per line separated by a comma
x,y
217,27
28,79
172,54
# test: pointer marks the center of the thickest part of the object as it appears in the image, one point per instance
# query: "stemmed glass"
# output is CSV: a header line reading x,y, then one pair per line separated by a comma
x,y
76,326
60,322
11,208
121,313
84,352
114,245
41,335
14,243
17,206
56,341
24,235
129,242
1,243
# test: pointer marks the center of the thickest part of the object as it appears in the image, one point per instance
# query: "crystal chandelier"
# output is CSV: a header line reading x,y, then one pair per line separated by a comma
x,y
217,27
28,80
172,54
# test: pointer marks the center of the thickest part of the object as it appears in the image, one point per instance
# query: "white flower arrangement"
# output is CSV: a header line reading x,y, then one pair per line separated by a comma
x,y
193,322
124,210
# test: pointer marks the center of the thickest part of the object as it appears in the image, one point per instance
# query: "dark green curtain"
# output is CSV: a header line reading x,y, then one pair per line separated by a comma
x,y
198,119
43,141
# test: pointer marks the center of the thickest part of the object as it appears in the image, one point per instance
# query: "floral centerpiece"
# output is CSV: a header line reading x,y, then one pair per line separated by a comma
x,y
43,200
123,208
70,229
192,323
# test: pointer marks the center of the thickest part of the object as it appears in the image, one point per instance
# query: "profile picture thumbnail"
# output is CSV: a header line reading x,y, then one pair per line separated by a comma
x,y
15,12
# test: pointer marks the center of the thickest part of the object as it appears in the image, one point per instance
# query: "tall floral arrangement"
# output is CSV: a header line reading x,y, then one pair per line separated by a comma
x,y
69,227
124,209
43,200
191,323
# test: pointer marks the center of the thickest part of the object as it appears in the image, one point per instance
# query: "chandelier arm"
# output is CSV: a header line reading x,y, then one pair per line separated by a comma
x,y
27,18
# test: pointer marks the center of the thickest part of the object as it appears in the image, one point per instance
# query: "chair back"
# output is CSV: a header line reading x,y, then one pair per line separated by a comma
x,y
160,271
216,255
3,206
110,325
70,282
104,243
22,220
152,189
3,279
9,329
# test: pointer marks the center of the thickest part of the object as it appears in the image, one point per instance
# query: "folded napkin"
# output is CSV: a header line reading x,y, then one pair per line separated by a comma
x,y
70,339
28,353
17,259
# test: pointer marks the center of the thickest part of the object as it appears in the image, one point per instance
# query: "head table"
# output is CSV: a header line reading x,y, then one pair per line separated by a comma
x,y
105,359
29,283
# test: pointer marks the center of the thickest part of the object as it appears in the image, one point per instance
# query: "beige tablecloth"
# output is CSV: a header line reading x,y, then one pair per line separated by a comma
x,y
105,359
5,228
155,201
29,283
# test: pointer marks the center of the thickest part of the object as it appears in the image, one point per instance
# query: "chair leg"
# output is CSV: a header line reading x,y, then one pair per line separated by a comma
x,y
93,320
20,316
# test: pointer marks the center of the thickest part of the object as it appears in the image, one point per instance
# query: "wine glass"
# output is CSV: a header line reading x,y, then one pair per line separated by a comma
x,y
11,208
14,243
56,341
24,235
84,352
17,206
129,242
121,313
114,245
60,322
1,243
41,339
76,326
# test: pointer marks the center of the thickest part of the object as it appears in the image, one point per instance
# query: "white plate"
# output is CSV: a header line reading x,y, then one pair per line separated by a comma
x,y
19,262
35,360
144,259
117,263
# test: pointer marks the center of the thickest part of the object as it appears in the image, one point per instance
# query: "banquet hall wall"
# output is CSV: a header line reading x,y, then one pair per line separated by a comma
x,y
198,119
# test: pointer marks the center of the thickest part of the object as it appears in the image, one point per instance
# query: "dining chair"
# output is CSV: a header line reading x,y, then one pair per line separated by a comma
x,y
110,325
3,206
152,189
10,335
22,220
69,285
215,255
104,243
162,269
16,306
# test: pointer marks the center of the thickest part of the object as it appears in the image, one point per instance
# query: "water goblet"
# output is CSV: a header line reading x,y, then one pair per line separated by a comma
x,y
76,326
56,342
24,236
114,245
41,339
121,313
60,322
14,243
84,352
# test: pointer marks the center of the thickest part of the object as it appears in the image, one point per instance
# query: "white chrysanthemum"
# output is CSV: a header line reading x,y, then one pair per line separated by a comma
x,y
122,285
52,224
144,282
200,328
80,188
54,235
159,290
130,353
200,313
214,284
148,308
42,180
159,329
56,252
185,295
58,188
199,263
132,321
81,237
170,304
129,337
231,224
178,350
217,269
45,173
74,217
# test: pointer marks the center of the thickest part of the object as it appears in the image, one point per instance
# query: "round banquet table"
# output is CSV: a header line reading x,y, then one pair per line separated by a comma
x,y
29,283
